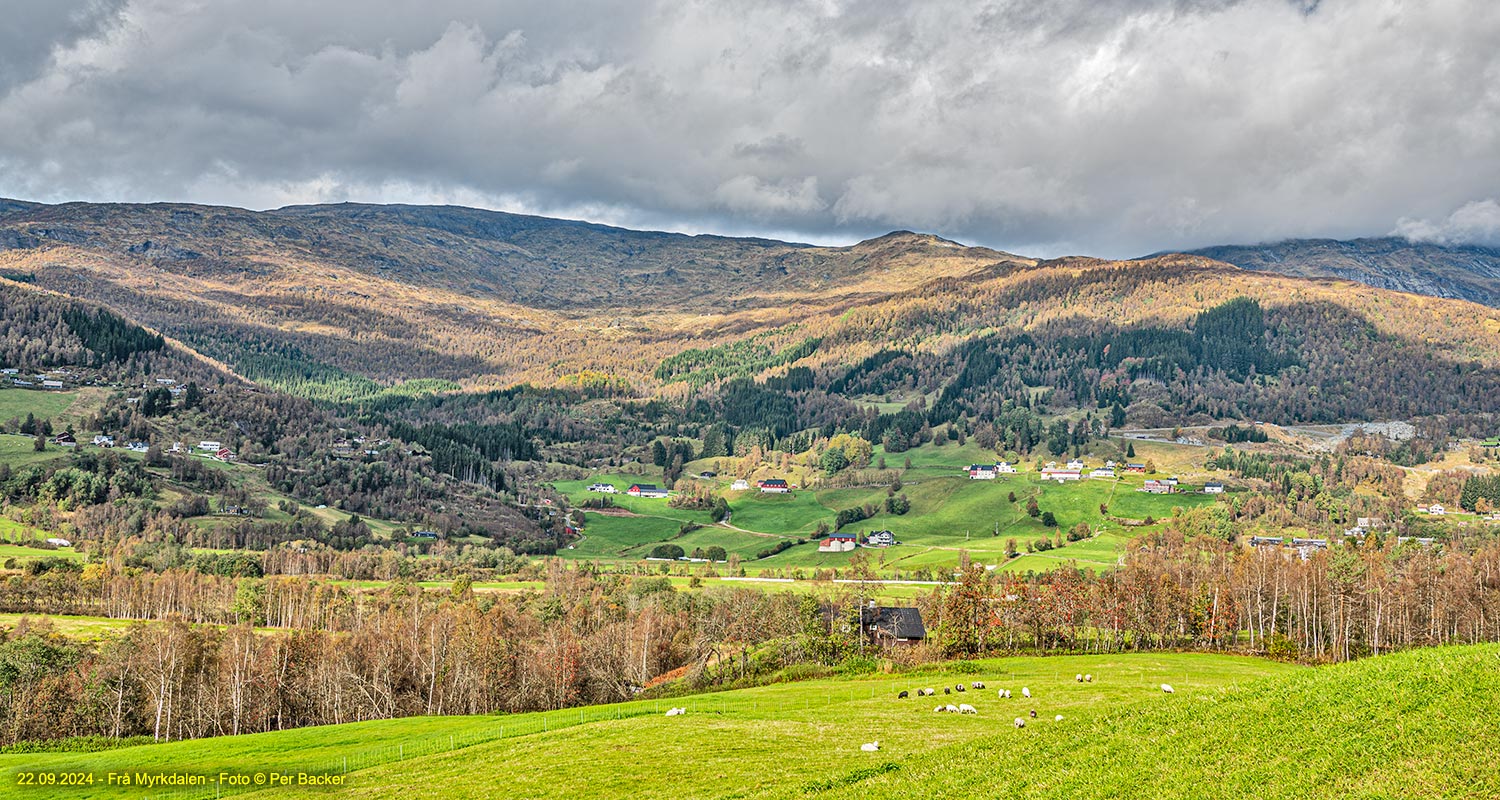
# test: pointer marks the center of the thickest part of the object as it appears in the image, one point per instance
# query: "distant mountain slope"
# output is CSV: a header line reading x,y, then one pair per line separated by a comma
x,y
538,262
1466,272
337,302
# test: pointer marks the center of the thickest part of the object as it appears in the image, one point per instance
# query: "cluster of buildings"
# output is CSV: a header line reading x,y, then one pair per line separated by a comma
x,y
46,380
840,542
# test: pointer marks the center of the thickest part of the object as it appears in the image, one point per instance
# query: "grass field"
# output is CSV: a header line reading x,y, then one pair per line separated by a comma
x,y
18,451
23,554
17,403
76,627
948,513
1417,724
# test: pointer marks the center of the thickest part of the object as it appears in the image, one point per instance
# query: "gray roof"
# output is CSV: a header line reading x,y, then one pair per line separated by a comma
x,y
900,623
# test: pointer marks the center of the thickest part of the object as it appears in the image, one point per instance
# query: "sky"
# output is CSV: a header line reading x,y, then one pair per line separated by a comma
x,y
1105,127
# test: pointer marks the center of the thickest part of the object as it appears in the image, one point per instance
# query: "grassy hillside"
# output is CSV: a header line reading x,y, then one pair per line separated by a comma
x,y
948,513
739,742
1407,725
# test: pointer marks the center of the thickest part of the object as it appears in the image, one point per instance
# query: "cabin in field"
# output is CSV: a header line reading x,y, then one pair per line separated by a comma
x,y
1213,487
52,384
104,441
209,446
646,490
1437,510
880,539
602,488
708,473
888,626
1103,473
1136,468
838,543
65,439
1005,468
1158,487
224,454
1075,464
983,472
774,486
1060,474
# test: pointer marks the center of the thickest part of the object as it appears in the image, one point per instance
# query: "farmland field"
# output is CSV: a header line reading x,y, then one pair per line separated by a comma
x,y
1236,727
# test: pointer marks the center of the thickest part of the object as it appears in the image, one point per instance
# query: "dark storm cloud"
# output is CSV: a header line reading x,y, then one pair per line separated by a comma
x,y
1114,127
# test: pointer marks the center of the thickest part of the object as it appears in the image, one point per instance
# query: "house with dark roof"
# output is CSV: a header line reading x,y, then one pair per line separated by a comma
x,y
892,626
775,486
646,490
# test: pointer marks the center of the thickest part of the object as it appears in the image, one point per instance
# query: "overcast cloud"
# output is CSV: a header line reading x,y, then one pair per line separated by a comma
x,y
1112,127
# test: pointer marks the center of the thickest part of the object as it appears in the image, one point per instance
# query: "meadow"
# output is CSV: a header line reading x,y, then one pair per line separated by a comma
x,y
1418,723
948,513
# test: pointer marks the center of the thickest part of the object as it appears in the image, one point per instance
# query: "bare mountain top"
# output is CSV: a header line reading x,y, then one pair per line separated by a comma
x,y
1467,272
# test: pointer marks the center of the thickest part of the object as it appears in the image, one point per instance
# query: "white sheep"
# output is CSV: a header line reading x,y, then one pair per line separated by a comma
x,y
965,708
940,709
870,747
1057,718
1078,677
952,709
1167,687
1000,694
676,712
977,685
1025,692
1020,723
1088,679
928,691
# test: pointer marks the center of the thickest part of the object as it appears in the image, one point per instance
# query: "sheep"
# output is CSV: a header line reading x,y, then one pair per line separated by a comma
x,y
952,709
1033,713
965,708
928,691
977,684
1088,679
959,687
946,690
1020,723
940,709
1057,718
676,712
1167,687
870,747
1078,677
1004,693
901,696
1025,692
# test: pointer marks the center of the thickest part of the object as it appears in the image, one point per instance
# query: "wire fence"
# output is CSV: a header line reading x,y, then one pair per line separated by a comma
x,y
242,782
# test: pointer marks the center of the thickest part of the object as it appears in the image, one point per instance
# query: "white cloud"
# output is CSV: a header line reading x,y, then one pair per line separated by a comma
x,y
1476,222
1115,127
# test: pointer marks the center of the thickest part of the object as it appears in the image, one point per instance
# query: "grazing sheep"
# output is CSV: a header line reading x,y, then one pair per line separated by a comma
x,y
1057,718
1000,694
952,709
901,696
977,684
928,691
1078,677
946,690
1020,723
965,708
940,709
1033,713
870,747
959,687
1088,679
676,712
1025,692
1167,687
